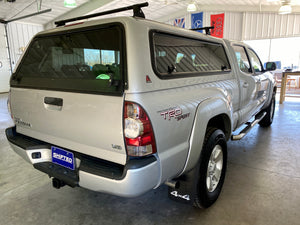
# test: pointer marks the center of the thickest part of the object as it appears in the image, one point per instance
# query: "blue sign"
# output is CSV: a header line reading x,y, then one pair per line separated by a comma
x,y
63,158
197,21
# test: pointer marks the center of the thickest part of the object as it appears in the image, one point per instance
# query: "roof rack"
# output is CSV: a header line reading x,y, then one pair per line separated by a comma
x,y
137,12
207,29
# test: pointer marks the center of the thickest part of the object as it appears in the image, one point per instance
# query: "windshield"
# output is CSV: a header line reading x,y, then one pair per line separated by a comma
x,y
82,61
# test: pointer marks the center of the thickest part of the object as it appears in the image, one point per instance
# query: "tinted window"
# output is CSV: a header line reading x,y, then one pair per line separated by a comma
x,y
256,64
82,61
242,59
178,55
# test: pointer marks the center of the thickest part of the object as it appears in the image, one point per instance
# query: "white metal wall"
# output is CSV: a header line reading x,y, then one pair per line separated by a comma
x,y
19,35
233,23
270,25
238,26
252,25
4,67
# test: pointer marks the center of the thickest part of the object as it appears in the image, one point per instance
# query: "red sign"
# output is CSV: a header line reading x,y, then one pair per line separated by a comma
x,y
217,21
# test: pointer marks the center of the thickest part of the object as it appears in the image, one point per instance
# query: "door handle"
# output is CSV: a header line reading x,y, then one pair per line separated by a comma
x,y
53,103
245,85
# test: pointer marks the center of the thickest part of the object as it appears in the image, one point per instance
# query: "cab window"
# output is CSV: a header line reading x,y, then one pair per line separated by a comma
x,y
242,59
256,64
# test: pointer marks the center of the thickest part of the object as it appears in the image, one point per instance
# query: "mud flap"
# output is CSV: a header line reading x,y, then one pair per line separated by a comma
x,y
185,193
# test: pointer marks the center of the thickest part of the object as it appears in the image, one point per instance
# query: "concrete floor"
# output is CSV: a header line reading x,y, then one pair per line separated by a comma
x,y
262,186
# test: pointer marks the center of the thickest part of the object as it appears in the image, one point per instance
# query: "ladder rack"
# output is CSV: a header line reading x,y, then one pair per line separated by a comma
x,y
137,12
207,29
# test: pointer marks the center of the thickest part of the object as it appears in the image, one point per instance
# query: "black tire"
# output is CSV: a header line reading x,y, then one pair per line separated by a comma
x,y
214,139
268,119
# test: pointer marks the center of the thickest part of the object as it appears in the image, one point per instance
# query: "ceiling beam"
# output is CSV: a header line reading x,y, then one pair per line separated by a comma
x,y
29,15
78,11
227,8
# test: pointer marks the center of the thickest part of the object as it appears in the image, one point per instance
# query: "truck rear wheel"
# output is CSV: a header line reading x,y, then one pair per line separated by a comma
x,y
268,119
212,168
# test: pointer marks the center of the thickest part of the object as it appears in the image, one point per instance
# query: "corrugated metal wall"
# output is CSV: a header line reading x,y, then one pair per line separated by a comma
x,y
4,63
270,25
19,35
253,25
237,26
233,24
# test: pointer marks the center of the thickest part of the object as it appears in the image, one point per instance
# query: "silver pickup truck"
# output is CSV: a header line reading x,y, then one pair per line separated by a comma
x,y
123,105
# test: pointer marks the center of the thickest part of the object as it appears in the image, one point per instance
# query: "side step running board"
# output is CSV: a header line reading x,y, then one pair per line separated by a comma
x,y
249,126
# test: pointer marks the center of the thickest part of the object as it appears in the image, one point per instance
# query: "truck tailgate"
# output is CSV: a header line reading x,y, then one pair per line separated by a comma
x,y
87,123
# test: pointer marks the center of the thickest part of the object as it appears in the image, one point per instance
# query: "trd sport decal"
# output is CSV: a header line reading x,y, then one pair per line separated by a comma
x,y
175,113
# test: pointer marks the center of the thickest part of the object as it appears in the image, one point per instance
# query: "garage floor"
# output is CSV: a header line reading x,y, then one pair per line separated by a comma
x,y
262,186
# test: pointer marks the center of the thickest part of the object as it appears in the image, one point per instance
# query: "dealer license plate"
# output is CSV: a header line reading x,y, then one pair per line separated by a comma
x,y
63,157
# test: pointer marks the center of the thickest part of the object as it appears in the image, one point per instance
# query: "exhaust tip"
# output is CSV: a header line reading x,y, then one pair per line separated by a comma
x,y
173,184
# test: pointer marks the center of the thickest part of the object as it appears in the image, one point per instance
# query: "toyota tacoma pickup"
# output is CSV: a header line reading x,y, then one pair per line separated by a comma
x,y
123,105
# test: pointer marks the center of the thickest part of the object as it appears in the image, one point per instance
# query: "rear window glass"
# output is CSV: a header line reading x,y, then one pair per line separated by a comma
x,y
83,61
175,55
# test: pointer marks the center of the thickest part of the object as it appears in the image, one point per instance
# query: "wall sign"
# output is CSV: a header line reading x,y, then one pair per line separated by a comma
x,y
197,21
179,22
217,21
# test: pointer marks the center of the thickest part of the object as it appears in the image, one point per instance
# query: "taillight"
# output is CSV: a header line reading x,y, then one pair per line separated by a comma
x,y
138,132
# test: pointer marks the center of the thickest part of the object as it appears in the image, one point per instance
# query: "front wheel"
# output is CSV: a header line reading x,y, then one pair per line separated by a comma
x,y
268,119
212,168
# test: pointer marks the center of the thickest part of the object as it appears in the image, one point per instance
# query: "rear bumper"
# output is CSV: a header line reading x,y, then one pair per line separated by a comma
x,y
133,179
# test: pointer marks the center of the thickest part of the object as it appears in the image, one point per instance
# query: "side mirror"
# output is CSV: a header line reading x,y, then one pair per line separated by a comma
x,y
270,66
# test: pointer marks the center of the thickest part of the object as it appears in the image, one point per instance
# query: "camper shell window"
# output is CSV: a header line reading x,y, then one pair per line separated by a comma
x,y
81,61
175,56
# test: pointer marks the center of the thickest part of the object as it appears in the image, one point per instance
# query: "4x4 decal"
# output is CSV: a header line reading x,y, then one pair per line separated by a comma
x,y
185,197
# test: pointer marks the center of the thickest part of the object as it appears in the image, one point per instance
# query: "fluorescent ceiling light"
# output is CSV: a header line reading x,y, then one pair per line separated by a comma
x,y
70,3
285,9
191,7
